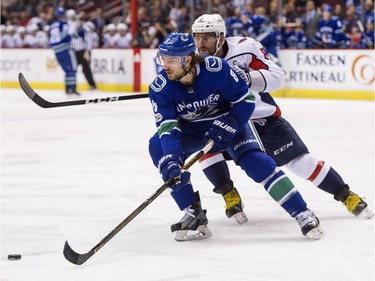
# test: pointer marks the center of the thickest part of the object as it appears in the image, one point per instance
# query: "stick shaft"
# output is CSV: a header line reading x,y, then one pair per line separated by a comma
x,y
79,259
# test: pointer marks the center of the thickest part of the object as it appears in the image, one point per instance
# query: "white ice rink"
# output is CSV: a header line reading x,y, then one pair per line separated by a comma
x,y
75,173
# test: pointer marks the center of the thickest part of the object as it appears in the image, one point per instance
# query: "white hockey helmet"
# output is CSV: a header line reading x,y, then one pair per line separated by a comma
x,y
122,26
209,23
111,27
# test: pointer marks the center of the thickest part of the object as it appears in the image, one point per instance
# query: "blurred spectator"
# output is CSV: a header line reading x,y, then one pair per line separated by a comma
x,y
110,36
183,20
19,37
368,10
24,18
350,16
234,24
100,22
155,35
40,20
329,33
247,27
124,38
7,40
339,11
33,40
296,38
367,38
219,8
42,36
273,12
3,32
354,38
311,19
290,12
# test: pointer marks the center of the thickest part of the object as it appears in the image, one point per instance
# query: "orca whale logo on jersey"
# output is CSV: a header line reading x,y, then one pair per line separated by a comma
x,y
201,112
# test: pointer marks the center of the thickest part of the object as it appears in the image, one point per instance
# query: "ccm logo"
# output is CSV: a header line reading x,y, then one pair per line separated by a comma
x,y
283,148
99,100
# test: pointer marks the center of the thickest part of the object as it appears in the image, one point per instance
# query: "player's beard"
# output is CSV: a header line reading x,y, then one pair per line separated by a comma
x,y
206,51
173,74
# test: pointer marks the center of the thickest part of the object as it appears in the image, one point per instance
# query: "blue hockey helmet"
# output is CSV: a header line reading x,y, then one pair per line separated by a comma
x,y
177,44
59,12
327,8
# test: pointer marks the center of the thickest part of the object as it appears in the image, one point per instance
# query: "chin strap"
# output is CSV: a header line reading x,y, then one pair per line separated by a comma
x,y
186,72
217,45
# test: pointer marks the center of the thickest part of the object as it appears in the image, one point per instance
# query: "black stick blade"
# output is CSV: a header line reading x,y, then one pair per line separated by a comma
x,y
74,257
31,93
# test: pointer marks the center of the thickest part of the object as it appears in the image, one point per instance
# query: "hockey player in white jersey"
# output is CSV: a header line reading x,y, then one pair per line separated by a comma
x,y
280,140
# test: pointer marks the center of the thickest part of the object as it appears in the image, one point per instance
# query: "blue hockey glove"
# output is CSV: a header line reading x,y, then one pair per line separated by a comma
x,y
222,133
169,167
244,74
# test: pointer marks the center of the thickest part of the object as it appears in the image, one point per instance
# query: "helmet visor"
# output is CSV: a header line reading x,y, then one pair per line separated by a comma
x,y
164,60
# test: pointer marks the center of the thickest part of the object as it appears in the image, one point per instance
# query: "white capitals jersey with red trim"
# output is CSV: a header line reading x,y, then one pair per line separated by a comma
x,y
266,76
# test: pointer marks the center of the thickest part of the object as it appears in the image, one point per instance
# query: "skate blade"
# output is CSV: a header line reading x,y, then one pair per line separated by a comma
x,y
240,217
202,232
315,233
366,213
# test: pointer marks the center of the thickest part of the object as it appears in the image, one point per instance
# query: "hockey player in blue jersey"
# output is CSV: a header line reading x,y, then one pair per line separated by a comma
x,y
279,138
60,41
196,99
329,33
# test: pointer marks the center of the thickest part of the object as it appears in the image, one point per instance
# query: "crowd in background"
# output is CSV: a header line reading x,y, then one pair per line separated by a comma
x,y
287,24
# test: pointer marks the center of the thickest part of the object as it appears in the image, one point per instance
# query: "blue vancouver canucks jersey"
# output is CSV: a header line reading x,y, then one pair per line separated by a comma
x,y
216,91
59,37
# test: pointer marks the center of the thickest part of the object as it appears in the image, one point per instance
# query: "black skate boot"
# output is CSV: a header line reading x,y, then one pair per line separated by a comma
x,y
234,206
193,225
309,224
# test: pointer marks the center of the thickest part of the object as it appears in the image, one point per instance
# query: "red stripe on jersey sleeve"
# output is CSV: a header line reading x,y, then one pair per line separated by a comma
x,y
257,64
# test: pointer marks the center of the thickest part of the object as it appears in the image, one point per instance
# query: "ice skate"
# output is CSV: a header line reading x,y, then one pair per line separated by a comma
x,y
309,224
193,225
234,206
357,206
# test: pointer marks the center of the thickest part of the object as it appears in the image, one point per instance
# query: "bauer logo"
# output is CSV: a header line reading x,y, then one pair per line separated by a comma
x,y
363,69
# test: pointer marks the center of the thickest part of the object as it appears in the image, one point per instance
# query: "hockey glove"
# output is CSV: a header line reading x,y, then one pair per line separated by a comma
x,y
244,74
222,133
169,167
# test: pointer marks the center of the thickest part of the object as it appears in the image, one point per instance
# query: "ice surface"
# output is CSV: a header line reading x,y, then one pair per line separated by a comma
x,y
75,173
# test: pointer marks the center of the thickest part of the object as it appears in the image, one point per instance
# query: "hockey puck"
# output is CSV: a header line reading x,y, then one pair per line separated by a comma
x,y
14,257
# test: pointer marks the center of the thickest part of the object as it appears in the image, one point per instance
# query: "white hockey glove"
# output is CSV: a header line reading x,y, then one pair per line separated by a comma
x,y
244,74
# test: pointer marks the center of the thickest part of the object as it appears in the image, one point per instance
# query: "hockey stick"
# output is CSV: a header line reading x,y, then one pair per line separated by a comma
x,y
46,104
79,259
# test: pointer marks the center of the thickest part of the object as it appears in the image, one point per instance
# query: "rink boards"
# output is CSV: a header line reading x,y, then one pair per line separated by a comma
x,y
334,74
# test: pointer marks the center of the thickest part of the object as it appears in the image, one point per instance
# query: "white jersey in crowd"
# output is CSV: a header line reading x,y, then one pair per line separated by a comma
x,y
266,76
7,41
124,42
110,40
42,39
